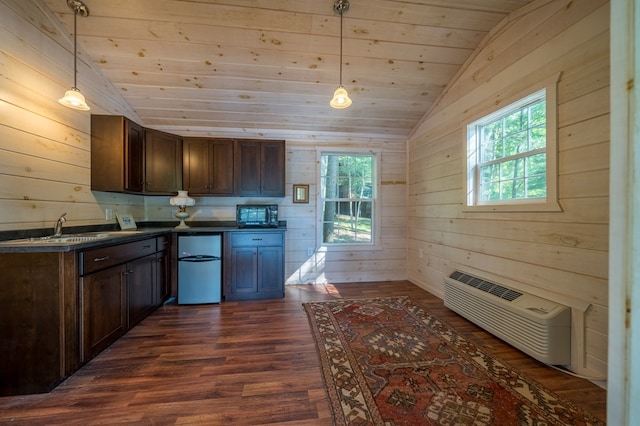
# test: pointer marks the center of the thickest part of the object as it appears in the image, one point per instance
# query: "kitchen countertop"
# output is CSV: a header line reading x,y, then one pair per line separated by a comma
x,y
89,239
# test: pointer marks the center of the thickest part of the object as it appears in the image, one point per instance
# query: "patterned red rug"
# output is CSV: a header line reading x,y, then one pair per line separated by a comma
x,y
388,361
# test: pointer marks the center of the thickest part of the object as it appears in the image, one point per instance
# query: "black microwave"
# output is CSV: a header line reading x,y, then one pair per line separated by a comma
x,y
257,215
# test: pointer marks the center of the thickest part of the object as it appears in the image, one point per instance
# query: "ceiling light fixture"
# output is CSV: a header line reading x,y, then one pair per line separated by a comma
x,y
73,98
340,96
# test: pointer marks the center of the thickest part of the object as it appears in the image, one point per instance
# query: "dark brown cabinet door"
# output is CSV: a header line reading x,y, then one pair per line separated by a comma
x,y
163,162
104,309
117,146
195,170
270,271
272,175
141,288
125,157
208,166
221,166
247,179
244,268
162,277
260,168
254,265
134,158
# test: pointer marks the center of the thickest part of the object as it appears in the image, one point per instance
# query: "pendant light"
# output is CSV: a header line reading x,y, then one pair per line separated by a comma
x,y
340,96
73,98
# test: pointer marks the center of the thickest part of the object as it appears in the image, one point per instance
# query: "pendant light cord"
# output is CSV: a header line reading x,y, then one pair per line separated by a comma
x,y
75,47
341,13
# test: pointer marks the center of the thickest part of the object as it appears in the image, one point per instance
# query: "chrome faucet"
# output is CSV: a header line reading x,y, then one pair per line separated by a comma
x,y
57,229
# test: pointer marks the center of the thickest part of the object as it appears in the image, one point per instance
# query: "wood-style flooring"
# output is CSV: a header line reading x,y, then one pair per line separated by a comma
x,y
238,363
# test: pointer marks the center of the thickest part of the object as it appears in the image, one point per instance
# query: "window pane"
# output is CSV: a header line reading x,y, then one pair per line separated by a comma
x,y
512,189
507,163
492,131
515,144
490,191
491,150
512,169
537,187
538,113
489,173
350,222
347,192
538,138
537,164
515,122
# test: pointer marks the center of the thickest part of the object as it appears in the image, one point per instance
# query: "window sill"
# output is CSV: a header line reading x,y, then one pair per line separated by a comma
x,y
349,247
551,206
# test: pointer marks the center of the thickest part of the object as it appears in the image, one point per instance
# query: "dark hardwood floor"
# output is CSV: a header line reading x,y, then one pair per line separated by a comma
x,y
241,363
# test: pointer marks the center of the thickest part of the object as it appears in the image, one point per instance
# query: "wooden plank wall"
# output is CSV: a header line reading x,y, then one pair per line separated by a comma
x,y
560,256
45,147
45,157
389,263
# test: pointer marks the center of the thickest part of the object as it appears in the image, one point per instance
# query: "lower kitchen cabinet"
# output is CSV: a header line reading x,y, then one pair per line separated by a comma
x,y
38,321
162,278
141,286
104,309
120,287
60,309
255,265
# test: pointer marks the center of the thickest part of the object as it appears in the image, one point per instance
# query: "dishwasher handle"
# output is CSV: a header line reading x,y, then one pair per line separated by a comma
x,y
199,258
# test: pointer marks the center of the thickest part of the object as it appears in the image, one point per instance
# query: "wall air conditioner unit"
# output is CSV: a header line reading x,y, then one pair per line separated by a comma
x,y
539,327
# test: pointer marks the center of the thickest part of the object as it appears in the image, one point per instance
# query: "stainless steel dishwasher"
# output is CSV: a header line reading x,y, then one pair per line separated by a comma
x,y
199,268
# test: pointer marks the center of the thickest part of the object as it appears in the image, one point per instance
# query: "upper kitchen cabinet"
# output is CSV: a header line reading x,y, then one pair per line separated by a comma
x,y
163,162
208,166
127,158
260,168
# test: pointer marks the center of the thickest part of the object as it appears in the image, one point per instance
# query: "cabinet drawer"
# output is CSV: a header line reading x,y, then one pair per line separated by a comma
x,y
163,242
254,239
104,257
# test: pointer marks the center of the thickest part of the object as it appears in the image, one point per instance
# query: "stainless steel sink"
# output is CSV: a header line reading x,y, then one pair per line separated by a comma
x,y
65,239
71,238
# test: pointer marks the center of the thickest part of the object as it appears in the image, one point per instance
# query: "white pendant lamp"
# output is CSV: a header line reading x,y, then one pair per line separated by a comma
x,y
340,96
73,98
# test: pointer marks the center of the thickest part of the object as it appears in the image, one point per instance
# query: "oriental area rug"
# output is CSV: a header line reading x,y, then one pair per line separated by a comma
x,y
388,361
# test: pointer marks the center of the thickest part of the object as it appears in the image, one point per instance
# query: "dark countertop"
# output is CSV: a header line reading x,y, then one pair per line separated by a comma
x,y
88,237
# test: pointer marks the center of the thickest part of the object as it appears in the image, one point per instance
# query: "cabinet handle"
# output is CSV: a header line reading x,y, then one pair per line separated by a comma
x,y
101,259
256,239
146,246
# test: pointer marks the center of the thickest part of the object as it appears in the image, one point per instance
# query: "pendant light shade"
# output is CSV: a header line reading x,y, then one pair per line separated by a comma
x,y
340,99
340,96
73,98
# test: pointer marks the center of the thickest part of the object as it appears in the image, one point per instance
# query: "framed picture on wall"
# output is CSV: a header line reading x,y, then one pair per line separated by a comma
x,y
300,193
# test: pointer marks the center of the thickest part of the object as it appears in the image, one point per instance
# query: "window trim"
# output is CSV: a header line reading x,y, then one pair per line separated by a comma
x,y
550,202
375,243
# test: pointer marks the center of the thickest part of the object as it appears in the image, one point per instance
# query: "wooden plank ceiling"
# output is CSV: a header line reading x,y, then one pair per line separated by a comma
x,y
268,68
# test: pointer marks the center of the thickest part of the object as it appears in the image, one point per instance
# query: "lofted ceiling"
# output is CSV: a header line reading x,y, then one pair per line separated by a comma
x,y
268,68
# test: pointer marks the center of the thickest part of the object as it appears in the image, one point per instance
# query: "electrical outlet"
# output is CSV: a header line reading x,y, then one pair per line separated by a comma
x,y
309,251
420,253
108,214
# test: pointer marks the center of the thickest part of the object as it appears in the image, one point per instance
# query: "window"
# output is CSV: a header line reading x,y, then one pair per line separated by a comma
x,y
511,156
348,187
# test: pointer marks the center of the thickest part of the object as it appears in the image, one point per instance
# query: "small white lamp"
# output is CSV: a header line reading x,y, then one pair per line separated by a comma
x,y
182,200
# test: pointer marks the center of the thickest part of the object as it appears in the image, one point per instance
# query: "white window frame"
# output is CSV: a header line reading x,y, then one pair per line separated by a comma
x,y
548,203
375,230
